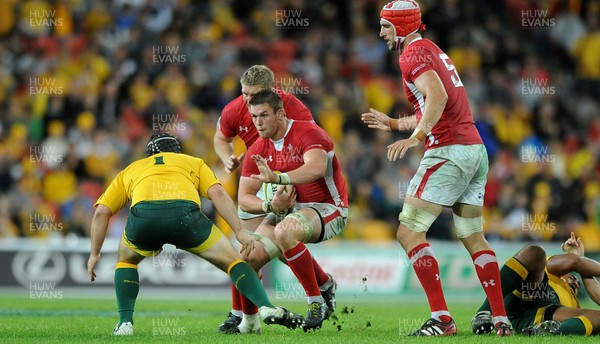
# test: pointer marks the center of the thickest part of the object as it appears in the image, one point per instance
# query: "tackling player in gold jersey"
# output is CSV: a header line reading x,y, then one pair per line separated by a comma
x,y
164,189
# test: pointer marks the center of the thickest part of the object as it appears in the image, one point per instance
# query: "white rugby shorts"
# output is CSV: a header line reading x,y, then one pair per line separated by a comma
x,y
451,174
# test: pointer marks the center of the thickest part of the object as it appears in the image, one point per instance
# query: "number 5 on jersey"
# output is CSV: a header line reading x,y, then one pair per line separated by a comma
x,y
450,67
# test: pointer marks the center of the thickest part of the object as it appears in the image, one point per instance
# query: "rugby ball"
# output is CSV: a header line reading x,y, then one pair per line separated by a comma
x,y
269,190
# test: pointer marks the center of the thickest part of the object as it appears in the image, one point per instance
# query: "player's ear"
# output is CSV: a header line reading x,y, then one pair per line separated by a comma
x,y
280,113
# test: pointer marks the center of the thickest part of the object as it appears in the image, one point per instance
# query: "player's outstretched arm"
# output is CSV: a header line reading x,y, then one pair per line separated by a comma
x,y
592,286
314,168
588,269
573,245
563,264
378,120
98,231
226,208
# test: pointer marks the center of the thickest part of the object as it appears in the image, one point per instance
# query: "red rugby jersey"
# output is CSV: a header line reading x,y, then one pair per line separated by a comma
x,y
456,125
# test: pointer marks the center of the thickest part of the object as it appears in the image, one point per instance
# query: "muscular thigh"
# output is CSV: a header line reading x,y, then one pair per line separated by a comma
x,y
451,174
220,253
326,219
128,255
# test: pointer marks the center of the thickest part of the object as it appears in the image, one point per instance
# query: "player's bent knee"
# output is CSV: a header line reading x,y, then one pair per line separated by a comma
x,y
533,257
535,251
467,226
416,219
272,250
300,221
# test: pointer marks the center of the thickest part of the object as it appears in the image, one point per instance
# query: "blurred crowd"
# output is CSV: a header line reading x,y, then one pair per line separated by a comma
x,y
84,83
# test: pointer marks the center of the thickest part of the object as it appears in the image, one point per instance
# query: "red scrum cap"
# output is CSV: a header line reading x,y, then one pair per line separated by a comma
x,y
404,16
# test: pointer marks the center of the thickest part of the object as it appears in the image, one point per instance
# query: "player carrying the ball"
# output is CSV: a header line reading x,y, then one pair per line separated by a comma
x,y
164,190
235,121
453,171
304,154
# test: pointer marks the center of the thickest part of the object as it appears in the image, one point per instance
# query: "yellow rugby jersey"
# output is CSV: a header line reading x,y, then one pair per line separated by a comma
x,y
162,176
563,291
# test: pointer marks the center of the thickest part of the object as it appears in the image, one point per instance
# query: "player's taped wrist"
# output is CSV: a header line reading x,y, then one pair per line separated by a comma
x,y
283,179
419,134
267,207
393,124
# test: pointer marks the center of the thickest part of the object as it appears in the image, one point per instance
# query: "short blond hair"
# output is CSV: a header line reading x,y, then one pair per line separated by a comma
x,y
259,75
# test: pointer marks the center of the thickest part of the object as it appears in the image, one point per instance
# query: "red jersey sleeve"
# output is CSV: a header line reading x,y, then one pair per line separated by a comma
x,y
315,138
294,108
414,61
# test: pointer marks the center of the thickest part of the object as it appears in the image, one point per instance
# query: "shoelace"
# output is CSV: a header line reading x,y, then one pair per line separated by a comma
x,y
315,309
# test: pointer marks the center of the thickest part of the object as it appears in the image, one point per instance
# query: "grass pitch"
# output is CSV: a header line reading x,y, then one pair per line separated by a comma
x,y
90,320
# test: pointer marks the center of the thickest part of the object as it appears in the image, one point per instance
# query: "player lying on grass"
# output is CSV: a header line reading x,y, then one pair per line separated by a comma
x,y
164,189
304,154
541,294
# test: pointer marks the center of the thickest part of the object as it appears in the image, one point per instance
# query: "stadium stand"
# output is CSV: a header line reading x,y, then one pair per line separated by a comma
x,y
84,83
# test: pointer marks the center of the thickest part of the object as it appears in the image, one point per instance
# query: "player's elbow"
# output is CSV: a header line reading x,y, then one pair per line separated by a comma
x,y
219,196
221,139
244,203
319,172
562,263
216,193
442,98
218,140
102,212
571,261
314,168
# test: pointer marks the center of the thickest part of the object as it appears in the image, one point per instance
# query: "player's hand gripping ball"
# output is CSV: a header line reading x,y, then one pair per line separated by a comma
x,y
270,189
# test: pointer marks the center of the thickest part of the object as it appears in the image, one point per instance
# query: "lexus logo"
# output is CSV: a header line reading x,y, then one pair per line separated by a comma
x,y
45,266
